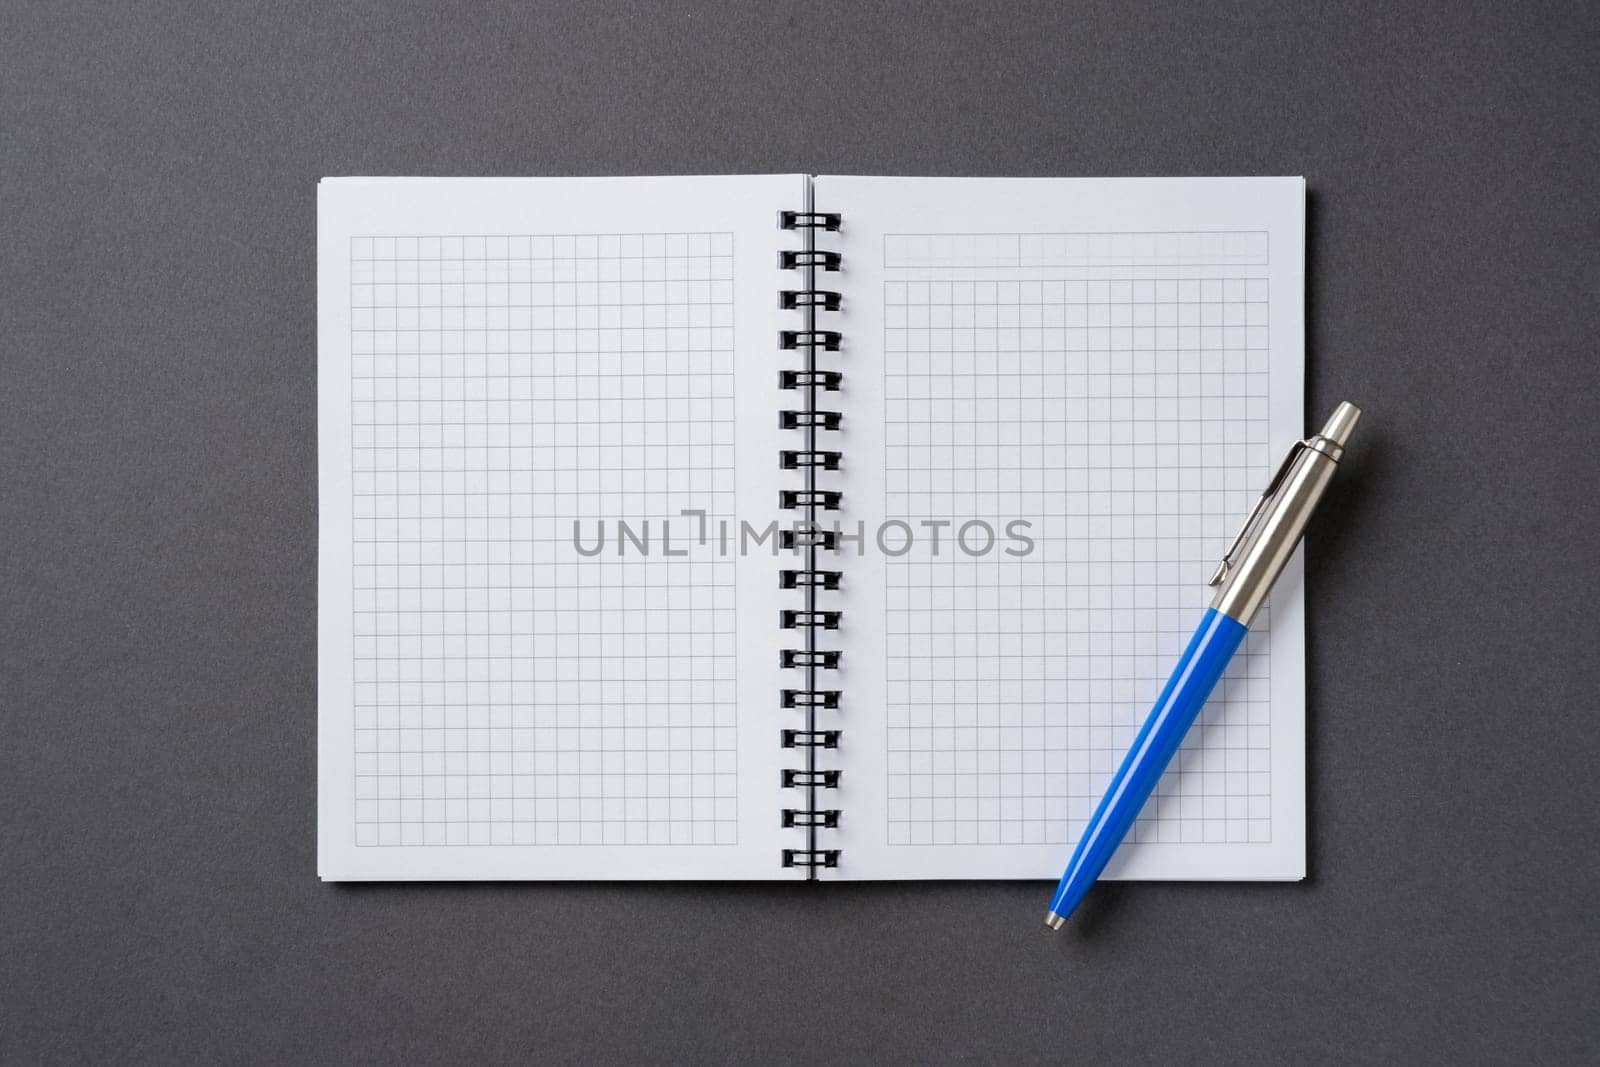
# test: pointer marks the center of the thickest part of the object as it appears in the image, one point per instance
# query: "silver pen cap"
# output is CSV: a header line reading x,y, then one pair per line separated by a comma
x,y
1274,526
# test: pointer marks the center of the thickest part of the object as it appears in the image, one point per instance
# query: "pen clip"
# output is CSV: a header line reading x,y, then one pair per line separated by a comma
x,y
1267,495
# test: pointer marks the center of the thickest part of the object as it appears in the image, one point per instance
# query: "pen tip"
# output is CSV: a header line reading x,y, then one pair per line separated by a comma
x,y
1054,921
1341,423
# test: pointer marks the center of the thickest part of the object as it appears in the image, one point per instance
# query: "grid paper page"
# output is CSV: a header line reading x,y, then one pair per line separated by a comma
x,y
1127,419
1116,364
508,690
531,665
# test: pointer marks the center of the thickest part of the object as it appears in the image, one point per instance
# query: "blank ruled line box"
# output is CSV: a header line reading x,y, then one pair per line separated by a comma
x,y
977,251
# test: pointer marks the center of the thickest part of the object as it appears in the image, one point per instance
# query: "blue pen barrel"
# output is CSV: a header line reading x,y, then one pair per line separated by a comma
x,y
1186,692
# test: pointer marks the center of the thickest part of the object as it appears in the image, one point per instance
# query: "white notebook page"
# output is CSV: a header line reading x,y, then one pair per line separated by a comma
x,y
499,357
1119,363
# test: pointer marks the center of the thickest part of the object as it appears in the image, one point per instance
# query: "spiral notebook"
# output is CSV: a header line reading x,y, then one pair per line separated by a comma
x,y
792,527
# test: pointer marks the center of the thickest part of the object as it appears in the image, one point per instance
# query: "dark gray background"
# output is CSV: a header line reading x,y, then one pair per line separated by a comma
x,y
158,894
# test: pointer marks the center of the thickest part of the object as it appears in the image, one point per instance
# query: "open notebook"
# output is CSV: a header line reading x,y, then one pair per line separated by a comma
x,y
784,527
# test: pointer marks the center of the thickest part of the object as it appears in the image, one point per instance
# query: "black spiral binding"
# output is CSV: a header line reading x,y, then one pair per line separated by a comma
x,y
811,695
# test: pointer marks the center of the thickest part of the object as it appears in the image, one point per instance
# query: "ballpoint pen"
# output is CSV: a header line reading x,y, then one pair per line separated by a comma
x,y
1242,580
